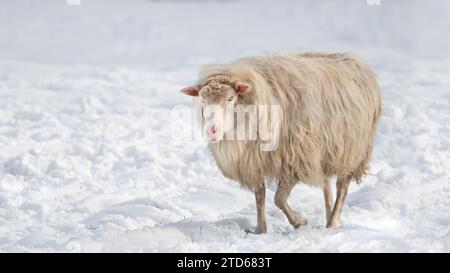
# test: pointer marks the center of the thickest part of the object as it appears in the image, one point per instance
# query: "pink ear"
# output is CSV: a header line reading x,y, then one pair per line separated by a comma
x,y
191,90
242,88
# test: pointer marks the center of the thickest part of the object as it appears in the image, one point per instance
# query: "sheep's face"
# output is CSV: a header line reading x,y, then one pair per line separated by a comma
x,y
214,112
217,103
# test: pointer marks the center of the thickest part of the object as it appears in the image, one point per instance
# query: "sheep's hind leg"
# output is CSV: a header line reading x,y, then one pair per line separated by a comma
x,y
328,196
281,196
260,196
342,188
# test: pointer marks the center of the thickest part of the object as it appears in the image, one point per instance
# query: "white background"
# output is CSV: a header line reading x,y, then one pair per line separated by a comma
x,y
88,156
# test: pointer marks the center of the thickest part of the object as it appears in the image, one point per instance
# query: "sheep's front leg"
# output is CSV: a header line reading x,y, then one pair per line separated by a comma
x,y
328,196
342,188
281,196
260,196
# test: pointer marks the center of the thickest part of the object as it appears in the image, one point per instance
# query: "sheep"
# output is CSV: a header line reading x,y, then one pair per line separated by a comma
x,y
329,103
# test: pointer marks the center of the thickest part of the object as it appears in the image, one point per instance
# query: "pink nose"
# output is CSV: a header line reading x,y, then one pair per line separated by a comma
x,y
212,131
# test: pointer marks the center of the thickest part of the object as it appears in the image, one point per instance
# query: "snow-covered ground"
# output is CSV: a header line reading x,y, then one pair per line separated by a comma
x,y
88,157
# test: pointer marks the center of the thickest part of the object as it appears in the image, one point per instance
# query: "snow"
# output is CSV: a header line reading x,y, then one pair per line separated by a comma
x,y
93,155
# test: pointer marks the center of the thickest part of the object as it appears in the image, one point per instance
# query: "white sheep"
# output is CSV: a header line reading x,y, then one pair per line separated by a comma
x,y
329,105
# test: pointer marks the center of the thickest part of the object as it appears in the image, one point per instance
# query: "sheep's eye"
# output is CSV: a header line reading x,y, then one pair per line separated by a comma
x,y
231,99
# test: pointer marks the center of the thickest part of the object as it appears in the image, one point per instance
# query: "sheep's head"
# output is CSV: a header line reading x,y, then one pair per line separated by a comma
x,y
218,97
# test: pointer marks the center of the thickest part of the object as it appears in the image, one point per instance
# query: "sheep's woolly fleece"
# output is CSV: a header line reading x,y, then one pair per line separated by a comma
x,y
90,159
310,148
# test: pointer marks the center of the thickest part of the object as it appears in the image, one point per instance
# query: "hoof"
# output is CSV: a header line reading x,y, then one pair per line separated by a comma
x,y
261,229
332,224
299,221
